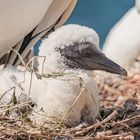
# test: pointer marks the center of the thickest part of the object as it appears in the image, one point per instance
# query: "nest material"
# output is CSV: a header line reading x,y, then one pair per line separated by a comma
x,y
116,90
118,123
119,116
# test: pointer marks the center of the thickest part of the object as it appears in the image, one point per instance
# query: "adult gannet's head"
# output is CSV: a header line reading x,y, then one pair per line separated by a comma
x,y
74,47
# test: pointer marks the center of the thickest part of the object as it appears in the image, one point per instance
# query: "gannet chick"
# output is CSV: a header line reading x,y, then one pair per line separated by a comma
x,y
123,41
72,52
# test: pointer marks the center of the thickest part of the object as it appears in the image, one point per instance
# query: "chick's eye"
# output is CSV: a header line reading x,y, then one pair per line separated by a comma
x,y
86,52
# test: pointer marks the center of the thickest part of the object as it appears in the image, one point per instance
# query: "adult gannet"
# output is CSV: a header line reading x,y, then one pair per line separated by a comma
x,y
72,52
23,23
123,42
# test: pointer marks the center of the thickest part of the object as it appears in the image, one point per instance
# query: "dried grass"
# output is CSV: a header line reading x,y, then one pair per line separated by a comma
x,y
119,116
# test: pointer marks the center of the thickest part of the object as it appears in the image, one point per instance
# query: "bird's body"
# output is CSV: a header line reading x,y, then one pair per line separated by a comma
x,y
71,53
53,97
123,42
31,19
17,20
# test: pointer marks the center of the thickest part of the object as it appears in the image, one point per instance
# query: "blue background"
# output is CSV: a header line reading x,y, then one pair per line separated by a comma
x,y
98,14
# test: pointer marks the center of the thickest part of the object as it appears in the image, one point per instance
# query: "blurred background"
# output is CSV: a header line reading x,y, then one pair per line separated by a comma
x,y
98,14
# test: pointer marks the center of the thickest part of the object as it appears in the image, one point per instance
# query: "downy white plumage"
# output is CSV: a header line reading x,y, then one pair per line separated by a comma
x,y
72,52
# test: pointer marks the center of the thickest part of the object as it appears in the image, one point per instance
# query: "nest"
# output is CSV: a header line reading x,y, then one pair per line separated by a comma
x,y
119,115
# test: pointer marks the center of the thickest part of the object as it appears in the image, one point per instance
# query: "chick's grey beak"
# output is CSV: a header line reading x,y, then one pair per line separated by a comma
x,y
101,62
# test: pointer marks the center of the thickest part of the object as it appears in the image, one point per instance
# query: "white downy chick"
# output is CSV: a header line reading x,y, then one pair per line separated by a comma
x,y
71,52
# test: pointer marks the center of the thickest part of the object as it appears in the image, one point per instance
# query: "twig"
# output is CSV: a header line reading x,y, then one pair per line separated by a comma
x,y
65,116
128,128
130,119
115,137
88,91
16,106
13,88
98,124
30,85
20,57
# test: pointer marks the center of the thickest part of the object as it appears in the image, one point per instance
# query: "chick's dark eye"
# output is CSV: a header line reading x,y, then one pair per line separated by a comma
x,y
86,52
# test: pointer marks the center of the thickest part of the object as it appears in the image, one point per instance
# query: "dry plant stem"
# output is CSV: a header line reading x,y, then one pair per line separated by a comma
x,y
30,86
87,90
125,123
65,116
43,64
16,106
14,98
116,137
130,119
128,128
12,132
104,133
22,61
20,57
13,88
34,57
98,124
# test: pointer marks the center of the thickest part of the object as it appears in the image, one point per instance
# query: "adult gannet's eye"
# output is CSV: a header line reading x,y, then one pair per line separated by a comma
x,y
86,52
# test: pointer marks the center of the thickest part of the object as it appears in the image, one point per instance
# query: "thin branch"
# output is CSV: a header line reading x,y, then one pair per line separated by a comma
x,y
98,124
65,116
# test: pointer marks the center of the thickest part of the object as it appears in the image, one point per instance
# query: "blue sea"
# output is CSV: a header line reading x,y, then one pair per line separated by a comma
x,y
99,14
